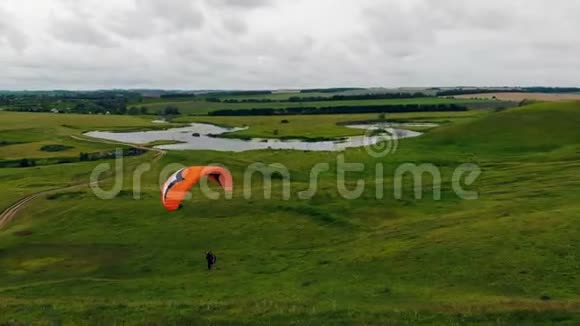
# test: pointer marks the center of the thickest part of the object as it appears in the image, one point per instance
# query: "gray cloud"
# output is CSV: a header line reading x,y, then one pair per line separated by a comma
x,y
10,34
236,26
249,4
147,18
302,43
174,14
81,32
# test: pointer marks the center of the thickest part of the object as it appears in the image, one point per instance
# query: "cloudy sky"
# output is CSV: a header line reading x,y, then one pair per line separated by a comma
x,y
251,44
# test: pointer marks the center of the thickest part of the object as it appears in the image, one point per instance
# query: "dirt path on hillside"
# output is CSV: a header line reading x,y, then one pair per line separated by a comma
x,y
12,211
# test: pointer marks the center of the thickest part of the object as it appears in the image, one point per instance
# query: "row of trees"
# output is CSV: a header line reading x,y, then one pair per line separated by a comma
x,y
540,89
109,155
381,96
245,100
237,93
330,90
177,95
98,107
536,89
294,99
83,157
467,91
341,110
134,110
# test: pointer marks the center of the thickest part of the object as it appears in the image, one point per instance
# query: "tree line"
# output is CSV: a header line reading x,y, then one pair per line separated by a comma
x,y
535,89
461,91
378,96
83,157
340,110
108,105
295,99
330,90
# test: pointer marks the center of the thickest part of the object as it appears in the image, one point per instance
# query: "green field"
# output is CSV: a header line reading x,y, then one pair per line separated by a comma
x,y
24,134
507,258
332,125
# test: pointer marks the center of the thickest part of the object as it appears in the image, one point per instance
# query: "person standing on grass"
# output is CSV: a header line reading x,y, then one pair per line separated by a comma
x,y
211,259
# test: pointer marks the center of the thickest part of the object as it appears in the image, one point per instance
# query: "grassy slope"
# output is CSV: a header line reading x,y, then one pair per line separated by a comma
x,y
530,127
405,261
30,131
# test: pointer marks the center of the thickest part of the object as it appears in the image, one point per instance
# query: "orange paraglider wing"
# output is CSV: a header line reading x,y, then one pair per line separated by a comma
x,y
178,185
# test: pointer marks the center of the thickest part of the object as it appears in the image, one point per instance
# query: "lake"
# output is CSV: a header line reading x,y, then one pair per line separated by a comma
x,y
202,136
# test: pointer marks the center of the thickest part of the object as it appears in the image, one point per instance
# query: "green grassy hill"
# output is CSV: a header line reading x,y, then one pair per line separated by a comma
x,y
510,257
541,128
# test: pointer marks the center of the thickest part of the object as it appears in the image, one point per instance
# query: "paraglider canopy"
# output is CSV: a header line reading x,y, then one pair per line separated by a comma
x,y
178,185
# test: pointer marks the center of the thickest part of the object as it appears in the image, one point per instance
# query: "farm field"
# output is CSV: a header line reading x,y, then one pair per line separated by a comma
x,y
508,257
545,97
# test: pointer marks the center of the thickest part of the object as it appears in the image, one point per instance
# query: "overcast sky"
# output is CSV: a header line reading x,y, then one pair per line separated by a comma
x,y
251,44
